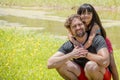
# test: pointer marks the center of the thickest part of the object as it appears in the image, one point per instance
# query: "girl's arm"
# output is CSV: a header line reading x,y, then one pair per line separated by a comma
x,y
113,68
93,32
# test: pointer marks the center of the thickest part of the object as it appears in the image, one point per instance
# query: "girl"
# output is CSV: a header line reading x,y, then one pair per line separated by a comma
x,y
93,26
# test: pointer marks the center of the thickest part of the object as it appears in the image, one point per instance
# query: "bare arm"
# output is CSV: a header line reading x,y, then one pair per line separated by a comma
x,y
57,60
60,58
71,38
102,57
92,35
113,68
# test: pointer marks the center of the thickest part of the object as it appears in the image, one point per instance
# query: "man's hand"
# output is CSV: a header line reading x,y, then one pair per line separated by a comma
x,y
78,52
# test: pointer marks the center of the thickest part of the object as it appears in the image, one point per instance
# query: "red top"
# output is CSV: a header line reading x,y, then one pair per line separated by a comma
x,y
109,45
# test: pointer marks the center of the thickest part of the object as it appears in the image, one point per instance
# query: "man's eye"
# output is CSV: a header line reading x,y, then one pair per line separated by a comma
x,y
80,24
73,26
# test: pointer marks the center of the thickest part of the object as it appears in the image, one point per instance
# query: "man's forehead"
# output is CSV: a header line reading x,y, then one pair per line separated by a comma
x,y
76,20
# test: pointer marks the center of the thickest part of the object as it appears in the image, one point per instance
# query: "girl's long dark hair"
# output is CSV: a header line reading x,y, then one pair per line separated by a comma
x,y
95,17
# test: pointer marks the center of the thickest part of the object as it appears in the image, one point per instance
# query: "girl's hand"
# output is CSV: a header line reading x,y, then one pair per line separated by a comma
x,y
71,38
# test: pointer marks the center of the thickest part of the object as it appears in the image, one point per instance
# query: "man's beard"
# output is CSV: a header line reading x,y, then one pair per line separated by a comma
x,y
80,34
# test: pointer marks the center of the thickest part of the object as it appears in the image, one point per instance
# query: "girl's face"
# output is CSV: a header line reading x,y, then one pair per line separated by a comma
x,y
86,17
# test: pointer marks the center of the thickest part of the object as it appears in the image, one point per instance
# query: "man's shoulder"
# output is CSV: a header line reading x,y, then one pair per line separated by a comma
x,y
98,37
67,44
99,42
66,47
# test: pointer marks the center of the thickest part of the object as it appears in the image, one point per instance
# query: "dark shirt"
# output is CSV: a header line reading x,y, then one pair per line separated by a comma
x,y
97,44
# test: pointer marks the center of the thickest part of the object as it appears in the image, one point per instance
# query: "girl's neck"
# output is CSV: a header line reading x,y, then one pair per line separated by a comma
x,y
87,26
87,23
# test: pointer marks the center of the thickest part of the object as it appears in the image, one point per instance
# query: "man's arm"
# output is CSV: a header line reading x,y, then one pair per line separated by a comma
x,y
60,58
102,57
57,60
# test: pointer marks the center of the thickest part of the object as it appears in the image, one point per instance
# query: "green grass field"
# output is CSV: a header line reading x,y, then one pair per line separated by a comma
x,y
24,55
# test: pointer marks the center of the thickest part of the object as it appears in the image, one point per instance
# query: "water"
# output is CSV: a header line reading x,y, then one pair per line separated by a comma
x,y
45,22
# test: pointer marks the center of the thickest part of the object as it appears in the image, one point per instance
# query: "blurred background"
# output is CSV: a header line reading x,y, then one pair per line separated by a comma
x,y
32,30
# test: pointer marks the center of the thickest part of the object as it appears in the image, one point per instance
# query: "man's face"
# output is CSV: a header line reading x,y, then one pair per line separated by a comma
x,y
77,28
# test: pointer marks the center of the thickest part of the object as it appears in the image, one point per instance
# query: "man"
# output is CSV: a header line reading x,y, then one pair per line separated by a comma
x,y
70,60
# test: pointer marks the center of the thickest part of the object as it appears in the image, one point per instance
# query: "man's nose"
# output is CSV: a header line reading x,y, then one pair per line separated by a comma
x,y
78,27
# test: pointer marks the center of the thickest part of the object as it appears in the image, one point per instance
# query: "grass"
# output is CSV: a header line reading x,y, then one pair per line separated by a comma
x,y
24,54
112,34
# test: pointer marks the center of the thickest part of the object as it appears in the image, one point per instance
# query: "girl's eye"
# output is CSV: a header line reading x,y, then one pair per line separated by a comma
x,y
89,13
83,14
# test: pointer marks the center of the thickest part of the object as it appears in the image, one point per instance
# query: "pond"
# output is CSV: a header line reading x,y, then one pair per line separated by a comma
x,y
53,22
53,27
47,21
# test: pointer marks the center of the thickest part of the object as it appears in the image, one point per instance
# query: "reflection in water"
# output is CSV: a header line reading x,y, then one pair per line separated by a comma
x,y
53,27
43,21
6,23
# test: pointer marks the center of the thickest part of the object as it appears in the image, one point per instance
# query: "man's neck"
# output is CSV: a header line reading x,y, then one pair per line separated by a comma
x,y
82,39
